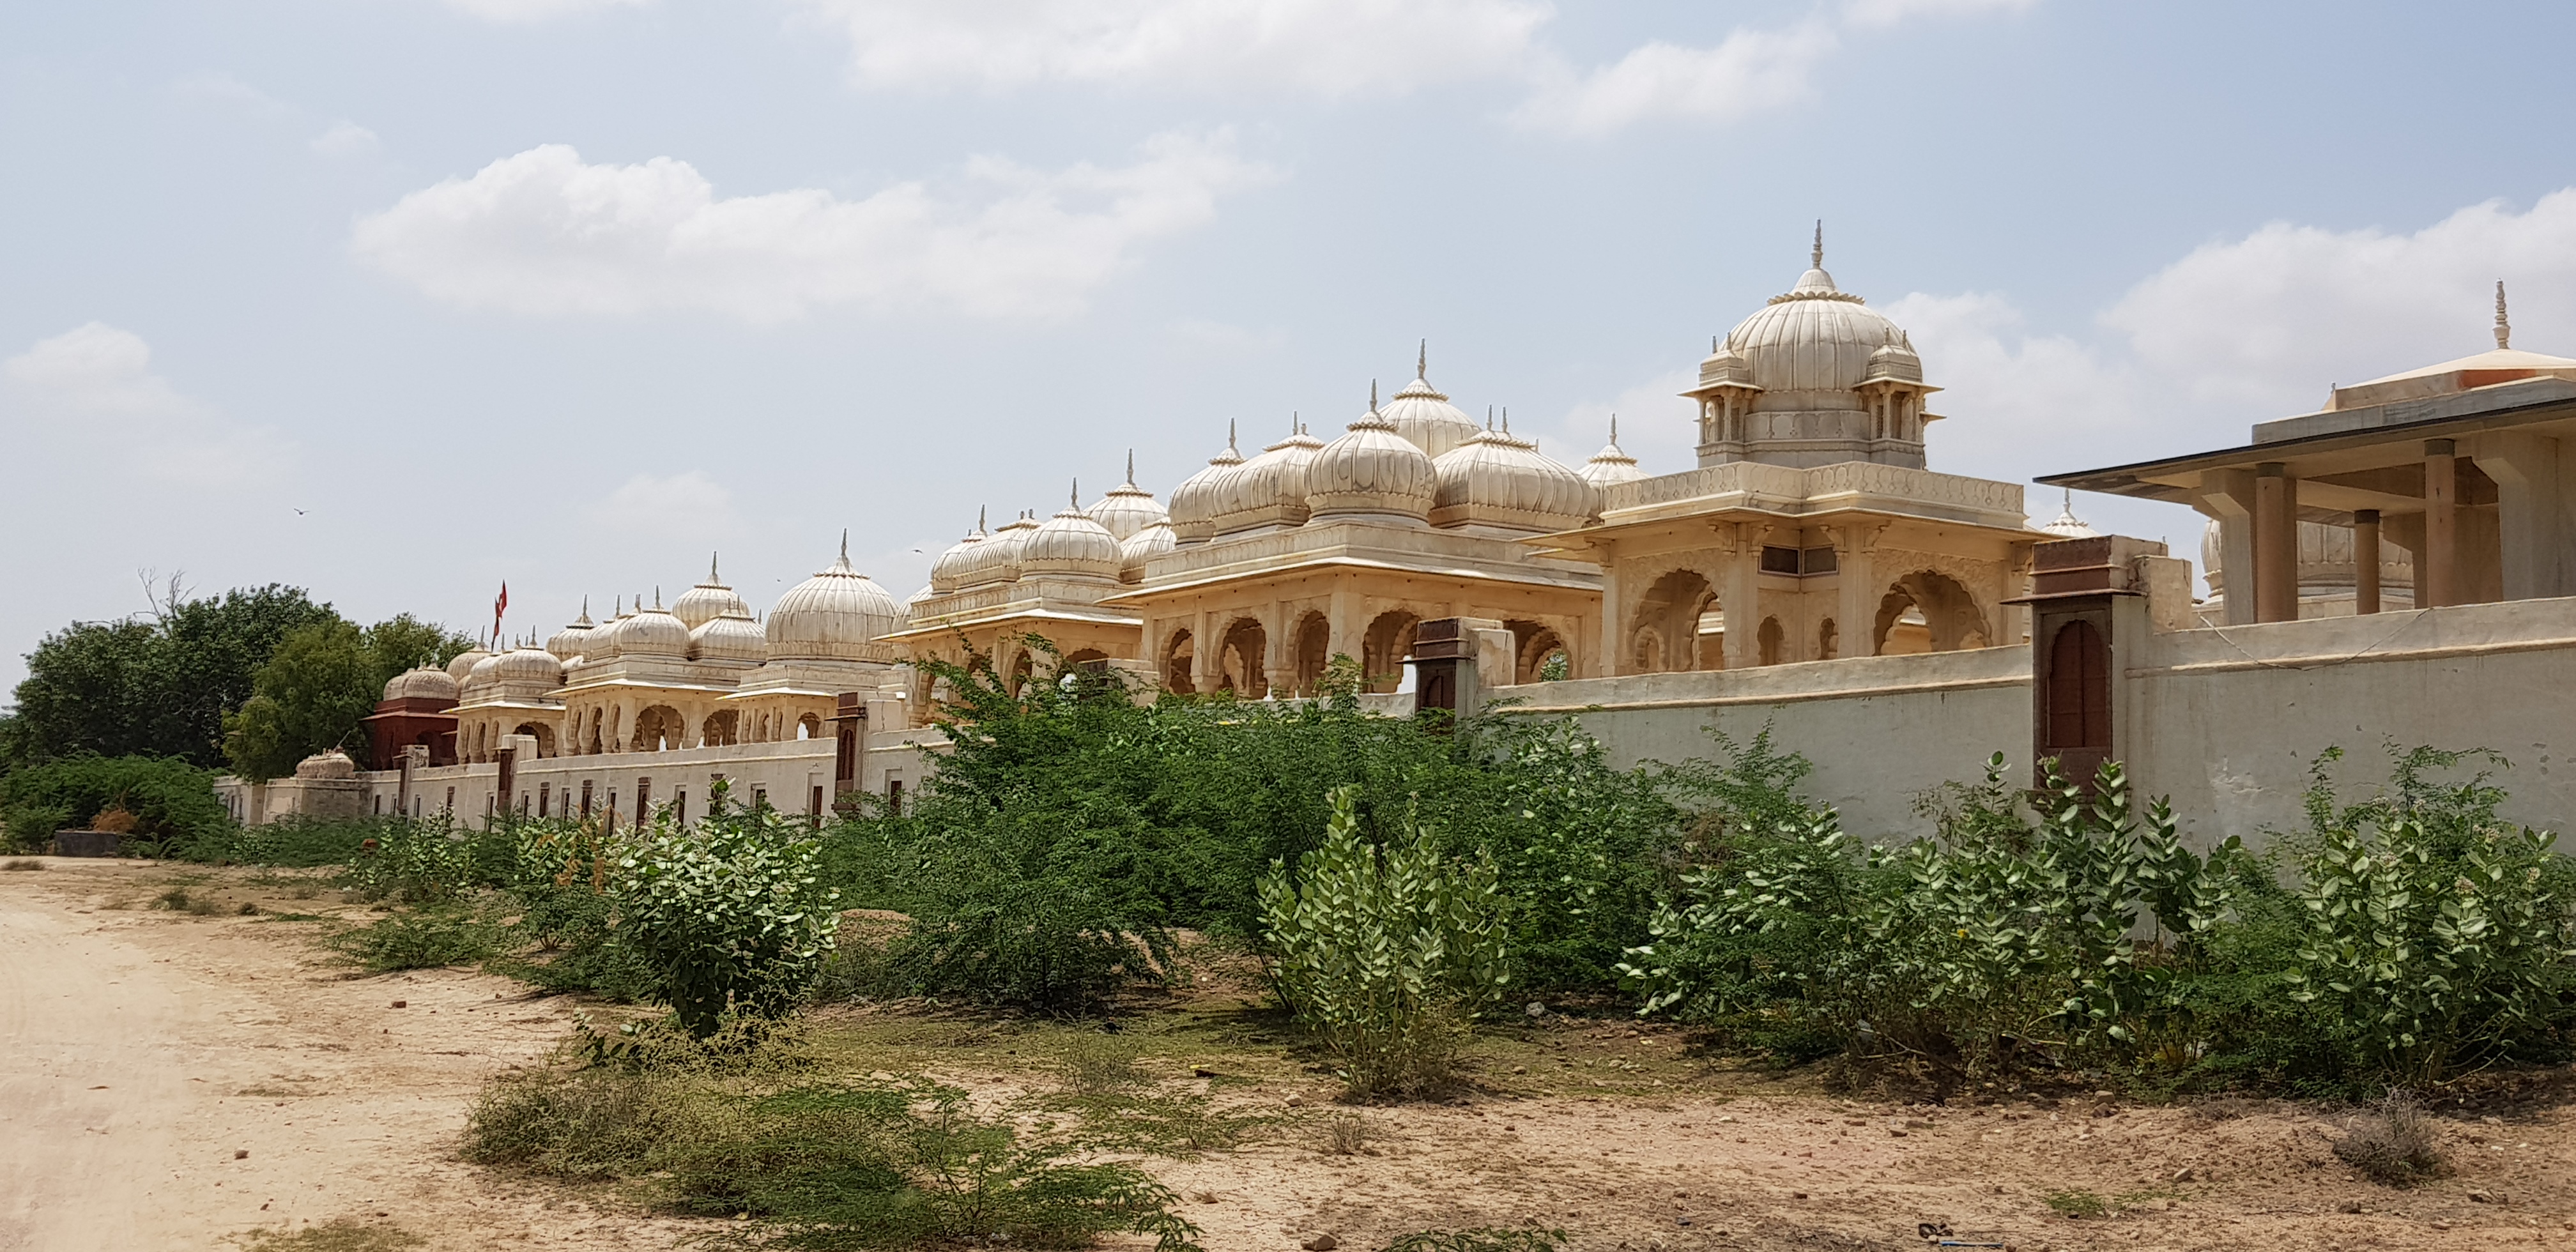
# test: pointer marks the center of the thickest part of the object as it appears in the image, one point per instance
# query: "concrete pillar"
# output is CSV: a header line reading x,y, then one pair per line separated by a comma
x,y
2531,504
2227,497
2365,560
2437,570
2276,544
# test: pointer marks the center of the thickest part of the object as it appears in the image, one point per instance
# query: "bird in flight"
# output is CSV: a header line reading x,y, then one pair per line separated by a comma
x,y
298,512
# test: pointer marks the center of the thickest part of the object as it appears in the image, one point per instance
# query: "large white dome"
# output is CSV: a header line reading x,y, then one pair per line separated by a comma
x,y
833,616
1371,471
1070,545
707,601
1812,339
1194,502
652,632
1422,414
1497,480
732,637
1127,508
429,682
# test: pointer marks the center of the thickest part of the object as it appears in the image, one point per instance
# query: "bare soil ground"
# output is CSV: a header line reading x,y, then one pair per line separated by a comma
x,y
211,1079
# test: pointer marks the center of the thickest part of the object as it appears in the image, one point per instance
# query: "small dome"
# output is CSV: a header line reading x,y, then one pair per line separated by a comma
x,y
1497,480
1371,471
835,615
958,561
573,642
1000,561
1425,416
926,593
1611,465
732,637
1141,548
426,683
1269,489
1127,508
603,643
2067,525
332,763
707,601
651,632
1724,365
527,665
1193,512
1070,545
1895,361
465,662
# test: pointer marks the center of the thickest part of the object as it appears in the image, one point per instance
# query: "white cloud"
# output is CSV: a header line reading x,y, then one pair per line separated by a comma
x,y
1330,48
345,139
543,232
2266,323
90,392
1750,71
525,11
1892,12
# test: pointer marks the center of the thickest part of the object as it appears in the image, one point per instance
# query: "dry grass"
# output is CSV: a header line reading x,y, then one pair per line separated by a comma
x,y
2394,1142
21,863
340,1234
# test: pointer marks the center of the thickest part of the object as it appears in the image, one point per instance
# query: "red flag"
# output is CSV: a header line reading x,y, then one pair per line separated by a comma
x,y
500,604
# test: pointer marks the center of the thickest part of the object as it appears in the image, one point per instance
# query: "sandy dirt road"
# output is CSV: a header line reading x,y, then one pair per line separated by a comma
x,y
176,1080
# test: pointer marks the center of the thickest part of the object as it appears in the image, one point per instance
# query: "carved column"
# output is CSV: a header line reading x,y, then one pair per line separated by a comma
x,y
2437,573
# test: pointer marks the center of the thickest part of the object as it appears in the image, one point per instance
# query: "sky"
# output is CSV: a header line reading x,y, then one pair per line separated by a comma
x,y
398,300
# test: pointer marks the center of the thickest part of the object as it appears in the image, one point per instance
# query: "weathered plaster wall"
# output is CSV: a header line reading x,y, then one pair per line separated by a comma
x,y
2226,720
1880,730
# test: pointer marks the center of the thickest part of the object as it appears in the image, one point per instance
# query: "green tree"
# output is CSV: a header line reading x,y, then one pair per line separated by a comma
x,y
314,694
404,642
154,686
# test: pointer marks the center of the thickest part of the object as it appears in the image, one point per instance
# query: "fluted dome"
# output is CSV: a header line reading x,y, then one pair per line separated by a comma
x,y
1127,508
732,637
482,673
953,565
603,642
1268,490
530,665
707,601
834,615
464,662
652,632
1612,465
1070,545
574,641
1371,471
426,683
1895,361
1497,480
1193,512
331,763
2067,525
1425,416
1001,554
1141,548
1813,338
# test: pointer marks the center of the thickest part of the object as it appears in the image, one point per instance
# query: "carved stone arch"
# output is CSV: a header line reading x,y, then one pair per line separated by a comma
x,y
1674,607
1243,652
1951,616
1310,648
1179,651
1385,644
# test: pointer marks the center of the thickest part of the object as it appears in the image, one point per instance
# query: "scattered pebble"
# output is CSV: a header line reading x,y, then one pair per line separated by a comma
x,y
402,1004
241,1154
1321,1243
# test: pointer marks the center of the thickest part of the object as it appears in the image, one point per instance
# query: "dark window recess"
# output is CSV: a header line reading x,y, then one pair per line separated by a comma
x,y
1779,560
1818,561
2079,700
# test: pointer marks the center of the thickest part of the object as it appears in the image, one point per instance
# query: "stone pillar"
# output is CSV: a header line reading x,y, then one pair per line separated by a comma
x,y
2365,560
2276,544
1611,624
2227,497
1207,667
1739,593
2531,517
1858,591
850,727
2437,572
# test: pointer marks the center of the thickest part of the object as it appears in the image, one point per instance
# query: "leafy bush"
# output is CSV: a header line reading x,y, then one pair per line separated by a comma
x,y
2437,934
422,939
730,914
170,801
821,1165
1388,954
428,860
560,878
295,842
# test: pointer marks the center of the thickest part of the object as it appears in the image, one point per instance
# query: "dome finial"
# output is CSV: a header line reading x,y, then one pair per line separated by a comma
x,y
1372,395
1422,360
1489,417
1816,256
657,597
2503,328
585,604
711,569
980,511
1614,430
620,610
1076,502
845,545
1229,437
1131,467
1507,419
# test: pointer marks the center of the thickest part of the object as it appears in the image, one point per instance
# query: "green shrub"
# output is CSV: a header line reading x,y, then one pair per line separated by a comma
x,y
730,914
429,860
297,842
428,938
2438,935
1387,954
172,802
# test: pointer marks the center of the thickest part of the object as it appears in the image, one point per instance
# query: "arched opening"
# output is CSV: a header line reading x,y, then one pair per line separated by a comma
x,y
542,733
1086,660
1828,643
809,726
1688,625
1533,645
2078,722
657,729
1927,611
1239,660
1647,654
1310,647
1384,647
1770,637
594,744
1023,667
721,728
1178,654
